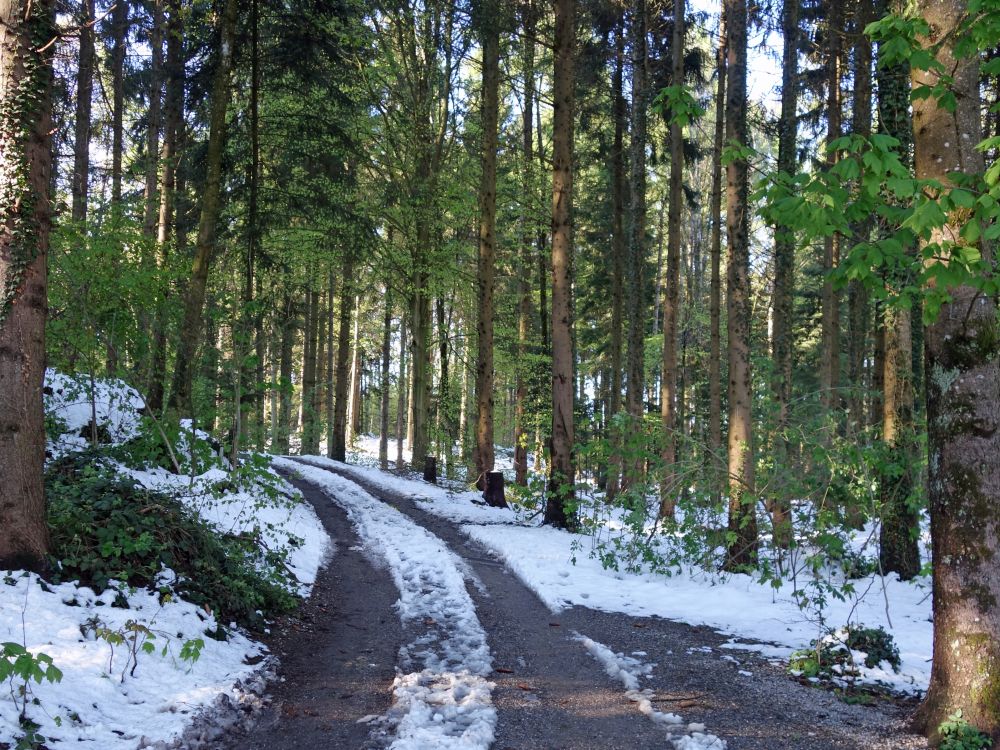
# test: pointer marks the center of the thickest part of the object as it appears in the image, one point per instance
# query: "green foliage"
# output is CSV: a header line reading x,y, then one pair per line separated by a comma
x,y
677,105
19,668
105,527
832,655
958,734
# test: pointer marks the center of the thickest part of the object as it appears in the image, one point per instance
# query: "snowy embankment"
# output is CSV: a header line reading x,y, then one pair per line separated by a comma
x,y
558,566
138,666
445,702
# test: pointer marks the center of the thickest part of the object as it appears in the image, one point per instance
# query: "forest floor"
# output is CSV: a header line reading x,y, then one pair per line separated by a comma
x,y
492,660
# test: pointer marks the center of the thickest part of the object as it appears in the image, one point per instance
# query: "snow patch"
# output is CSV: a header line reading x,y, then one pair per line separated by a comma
x,y
628,670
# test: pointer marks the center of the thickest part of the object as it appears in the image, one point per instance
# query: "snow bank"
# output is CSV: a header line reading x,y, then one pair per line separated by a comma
x,y
99,704
555,565
445,701
70,403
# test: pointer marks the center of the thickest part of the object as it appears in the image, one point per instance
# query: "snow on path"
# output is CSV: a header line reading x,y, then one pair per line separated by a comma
x,y
461,507
445,701
556,565
628,670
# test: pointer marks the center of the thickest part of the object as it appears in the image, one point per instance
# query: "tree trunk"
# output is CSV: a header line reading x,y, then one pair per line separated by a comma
x,y
525,246
742,549
84,99
173,114
715,287
857,295
25,163
119,27
401,392
782,341
308,416
830,329
151,199
354,402
490,39
671,302
284,414
636,256
898,548
331,360
338,448
383,441
563,474
618,246
211,203
963,417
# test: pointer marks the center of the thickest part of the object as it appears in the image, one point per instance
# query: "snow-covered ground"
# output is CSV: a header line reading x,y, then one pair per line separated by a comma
x,y
444,701
558,566
107,698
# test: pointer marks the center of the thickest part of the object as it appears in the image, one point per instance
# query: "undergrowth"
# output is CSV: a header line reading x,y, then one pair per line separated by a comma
x,y
106,528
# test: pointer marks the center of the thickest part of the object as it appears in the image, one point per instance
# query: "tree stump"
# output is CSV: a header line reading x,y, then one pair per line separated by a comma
x,y
493,495
430,469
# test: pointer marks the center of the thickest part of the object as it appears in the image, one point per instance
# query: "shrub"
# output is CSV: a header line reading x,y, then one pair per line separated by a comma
x,y
831,655
106,527
958,734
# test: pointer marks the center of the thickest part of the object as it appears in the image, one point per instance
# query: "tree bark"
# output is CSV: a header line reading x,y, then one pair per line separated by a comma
x,y
173,114
354,402
783,342
490,39
742,548
401,392
671,302
715,285
284,413
525,245
119,26
338,448
383,441
558,505
151,199
635,259
618,245
963,417
830,327
84,100
211,203
25,163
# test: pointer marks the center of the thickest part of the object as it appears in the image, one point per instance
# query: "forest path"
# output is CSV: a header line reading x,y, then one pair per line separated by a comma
x,y
549,692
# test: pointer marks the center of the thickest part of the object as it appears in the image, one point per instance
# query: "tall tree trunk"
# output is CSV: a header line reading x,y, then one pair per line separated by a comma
x,y
563,473
857,296
671,303
830,328
119,31
338,448
324,338
544,261
354,402
715,285
898,548
309,361
420,367
444,388
151,199
401,393
525,244
782,341
636,255
173,114
84,99
618,245
25,162
742,550
383,440
250,398
331,361
963,416
211,204
284,414
490,39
